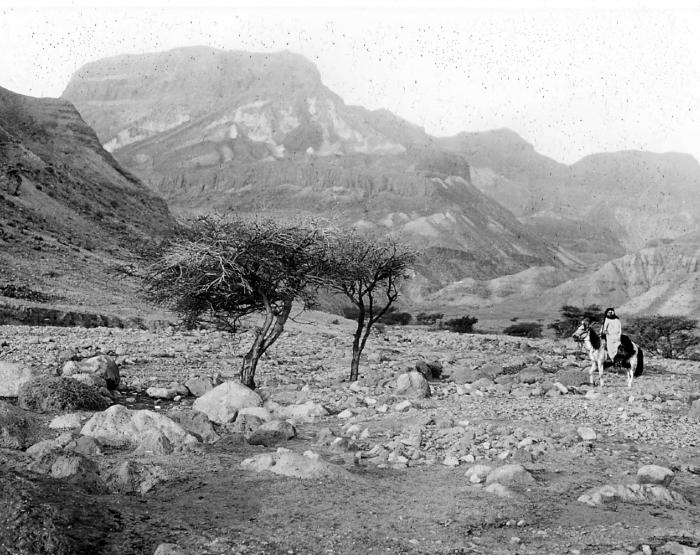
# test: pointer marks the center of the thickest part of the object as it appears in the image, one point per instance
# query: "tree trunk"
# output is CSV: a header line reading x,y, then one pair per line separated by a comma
x,y
250,363
357,347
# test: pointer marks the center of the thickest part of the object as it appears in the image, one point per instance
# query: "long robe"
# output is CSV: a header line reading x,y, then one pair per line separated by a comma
x,y
612,328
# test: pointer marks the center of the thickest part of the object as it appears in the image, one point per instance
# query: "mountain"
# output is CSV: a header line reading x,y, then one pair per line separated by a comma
x,y
663,278
68,210
631,197
217,130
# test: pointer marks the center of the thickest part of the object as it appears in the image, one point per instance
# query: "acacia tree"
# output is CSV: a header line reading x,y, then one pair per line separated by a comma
x,y
572,316
229,269
368,272
670,336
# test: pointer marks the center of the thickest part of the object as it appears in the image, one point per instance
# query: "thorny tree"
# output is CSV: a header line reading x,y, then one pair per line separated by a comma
x,y
368,272
230,269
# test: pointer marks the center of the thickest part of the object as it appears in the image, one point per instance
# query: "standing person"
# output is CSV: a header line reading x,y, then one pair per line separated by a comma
x,y
611,330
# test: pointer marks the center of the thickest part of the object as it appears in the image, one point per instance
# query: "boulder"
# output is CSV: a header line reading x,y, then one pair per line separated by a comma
x,y
199,386
85,445
80,471
13,375
133,477
196,423
18,428
413,385
222,403
171,549
654,474
245,423
261,412
66,421
510,474
103,366
50,393
478,473
162,393
287,463
271,433
120,427
306,412
633,493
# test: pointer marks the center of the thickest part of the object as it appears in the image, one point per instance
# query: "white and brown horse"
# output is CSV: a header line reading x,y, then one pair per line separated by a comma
x,y
629,355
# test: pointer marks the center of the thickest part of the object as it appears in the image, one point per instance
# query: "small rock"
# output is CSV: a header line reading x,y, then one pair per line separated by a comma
x,y
586,433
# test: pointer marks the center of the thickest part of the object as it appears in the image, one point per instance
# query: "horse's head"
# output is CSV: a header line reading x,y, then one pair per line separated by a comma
x,y
582,330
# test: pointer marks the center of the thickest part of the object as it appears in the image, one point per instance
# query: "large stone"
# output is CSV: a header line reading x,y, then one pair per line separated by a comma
x,y
633,493
80,471
195,422
412,384
13,375
306,412
121,427
222,403
199,386
478,473
162,392
133,477
66,421
654,474
50,393
287,463
104,366
510,474
18,429
271,433
245,423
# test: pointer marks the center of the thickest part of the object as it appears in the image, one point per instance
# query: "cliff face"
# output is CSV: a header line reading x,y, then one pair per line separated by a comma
x,y
261,133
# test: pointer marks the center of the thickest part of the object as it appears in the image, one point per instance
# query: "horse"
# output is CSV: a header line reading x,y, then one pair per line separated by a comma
x,y
630,356
596,347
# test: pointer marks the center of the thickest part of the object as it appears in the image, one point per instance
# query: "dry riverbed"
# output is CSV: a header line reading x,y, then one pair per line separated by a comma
x,y
507,454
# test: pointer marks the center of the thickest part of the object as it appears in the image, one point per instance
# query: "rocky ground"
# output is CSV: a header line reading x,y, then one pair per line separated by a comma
x,y
504,449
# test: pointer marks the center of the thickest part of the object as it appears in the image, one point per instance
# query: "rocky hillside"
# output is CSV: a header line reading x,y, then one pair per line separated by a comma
x,y
661,279
68,210
629,197
260,132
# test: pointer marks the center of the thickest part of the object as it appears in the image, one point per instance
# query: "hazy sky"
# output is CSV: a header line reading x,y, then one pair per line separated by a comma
x,y
571,80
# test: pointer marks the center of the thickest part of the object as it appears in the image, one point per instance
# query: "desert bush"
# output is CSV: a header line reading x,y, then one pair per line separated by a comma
x,y
465,324
572,316
532,330
669,336
425,319
390,318
51,393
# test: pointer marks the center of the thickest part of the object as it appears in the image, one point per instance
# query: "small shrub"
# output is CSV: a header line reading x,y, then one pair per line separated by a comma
x,y
465,324
424,319
572,316
532,330
49,393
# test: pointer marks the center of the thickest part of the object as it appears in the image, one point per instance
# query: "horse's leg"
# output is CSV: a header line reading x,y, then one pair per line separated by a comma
x,y
591,370
632,369
601,367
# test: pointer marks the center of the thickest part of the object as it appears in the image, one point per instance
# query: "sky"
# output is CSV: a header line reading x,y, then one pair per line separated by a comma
x,y
572,78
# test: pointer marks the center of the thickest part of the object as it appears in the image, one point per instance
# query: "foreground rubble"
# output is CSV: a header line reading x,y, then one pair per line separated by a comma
x,y
448,443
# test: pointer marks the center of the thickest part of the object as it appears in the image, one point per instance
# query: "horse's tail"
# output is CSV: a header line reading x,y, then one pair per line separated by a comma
x,y
640,362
